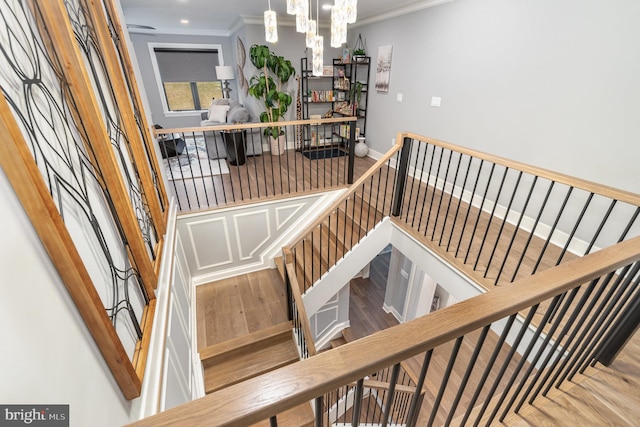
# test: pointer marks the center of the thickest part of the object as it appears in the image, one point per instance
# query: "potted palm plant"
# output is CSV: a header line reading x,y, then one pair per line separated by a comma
x,y
275,72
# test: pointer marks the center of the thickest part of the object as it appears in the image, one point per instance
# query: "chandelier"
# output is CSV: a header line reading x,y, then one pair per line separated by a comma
x,y
343,12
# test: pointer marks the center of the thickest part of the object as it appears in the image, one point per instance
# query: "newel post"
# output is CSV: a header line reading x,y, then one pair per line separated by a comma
x,y
352,152
403,168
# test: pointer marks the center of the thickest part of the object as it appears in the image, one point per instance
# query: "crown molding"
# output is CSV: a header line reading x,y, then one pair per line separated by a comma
x,y
176,31
400,11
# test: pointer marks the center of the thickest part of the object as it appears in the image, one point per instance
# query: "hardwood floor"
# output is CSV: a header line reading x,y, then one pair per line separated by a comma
x,y
264,177
233,307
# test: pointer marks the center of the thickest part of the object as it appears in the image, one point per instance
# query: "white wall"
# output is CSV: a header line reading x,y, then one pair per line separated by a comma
x,y
554,83
48,355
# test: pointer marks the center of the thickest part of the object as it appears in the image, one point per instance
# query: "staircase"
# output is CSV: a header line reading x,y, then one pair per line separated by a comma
x,y
248,356
332,238
236,360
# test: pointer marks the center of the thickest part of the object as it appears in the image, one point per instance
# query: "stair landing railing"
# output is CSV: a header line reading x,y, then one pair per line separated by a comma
x,y
346,222
491,218
497,219
219,166
480,360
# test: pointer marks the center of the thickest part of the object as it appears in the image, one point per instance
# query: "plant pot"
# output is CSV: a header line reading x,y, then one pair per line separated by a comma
x,y
278,145
235,143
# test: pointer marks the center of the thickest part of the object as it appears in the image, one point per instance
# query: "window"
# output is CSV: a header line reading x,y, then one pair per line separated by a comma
x,y
186,76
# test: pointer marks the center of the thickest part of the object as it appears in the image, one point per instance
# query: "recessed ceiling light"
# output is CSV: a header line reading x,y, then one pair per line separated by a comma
x,y
327,6
184,21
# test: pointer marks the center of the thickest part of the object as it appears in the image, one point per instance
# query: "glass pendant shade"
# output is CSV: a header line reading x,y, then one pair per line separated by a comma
x,y
351,10
338,27
311,33
318,54
292,7
270,26
302,22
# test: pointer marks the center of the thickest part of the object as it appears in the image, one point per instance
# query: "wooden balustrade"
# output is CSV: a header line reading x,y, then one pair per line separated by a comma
x,y
262,397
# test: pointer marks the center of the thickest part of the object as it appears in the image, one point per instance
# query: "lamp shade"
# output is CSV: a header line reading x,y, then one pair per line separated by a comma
x,y
224,72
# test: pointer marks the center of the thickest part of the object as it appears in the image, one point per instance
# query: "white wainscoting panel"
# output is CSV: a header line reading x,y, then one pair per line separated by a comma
x,y
232,241
252,232
286,213
210,242
329,321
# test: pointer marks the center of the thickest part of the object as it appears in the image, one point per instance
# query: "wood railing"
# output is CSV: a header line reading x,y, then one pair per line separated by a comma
x,y
296,310
475,209
346,222
596,288
218,166
491,218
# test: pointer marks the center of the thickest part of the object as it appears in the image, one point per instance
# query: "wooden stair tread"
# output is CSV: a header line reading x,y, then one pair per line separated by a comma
x,y
337,342
362,212
211,354
298,416
249,364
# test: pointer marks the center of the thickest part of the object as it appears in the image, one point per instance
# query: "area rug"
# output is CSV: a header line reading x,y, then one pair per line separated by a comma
x,y
194,162
324,153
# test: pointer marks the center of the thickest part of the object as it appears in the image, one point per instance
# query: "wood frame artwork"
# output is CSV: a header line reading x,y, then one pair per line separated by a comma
x,y
92,150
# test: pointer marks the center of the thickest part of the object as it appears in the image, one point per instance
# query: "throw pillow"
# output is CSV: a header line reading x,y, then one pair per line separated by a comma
x,y
218,113
238,115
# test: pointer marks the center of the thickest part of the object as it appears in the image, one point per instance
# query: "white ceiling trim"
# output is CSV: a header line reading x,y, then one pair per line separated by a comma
x,y
181,31
402,10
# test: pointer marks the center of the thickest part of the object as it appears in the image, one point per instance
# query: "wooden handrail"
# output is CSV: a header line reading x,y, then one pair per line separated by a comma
x,y
384,386
352,189
297,296
259,398
253,125
592,187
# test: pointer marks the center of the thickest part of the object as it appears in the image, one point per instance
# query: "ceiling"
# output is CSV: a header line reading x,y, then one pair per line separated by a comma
x,y
221,17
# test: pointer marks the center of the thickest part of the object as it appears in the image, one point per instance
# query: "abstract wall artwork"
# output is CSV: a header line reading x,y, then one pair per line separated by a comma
x,y
383,68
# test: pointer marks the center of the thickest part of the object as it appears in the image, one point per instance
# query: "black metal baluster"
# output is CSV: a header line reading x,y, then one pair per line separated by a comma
x,y
442,193
532,342
469,205
392,389
451,198
402,177
557,340
419,180
491,216
460,201
504,221
357,402
589,329
552,230
434,190
533,230
484,198
515,231
426,189
540,352
608,318
505,364
467,373
445,380
487,369
318,410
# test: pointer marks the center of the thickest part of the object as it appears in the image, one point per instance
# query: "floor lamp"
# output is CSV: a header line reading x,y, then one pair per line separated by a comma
x,y
225,73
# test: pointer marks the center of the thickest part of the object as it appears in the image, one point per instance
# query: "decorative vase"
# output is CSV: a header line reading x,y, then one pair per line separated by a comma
x,y
361,148
277,145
